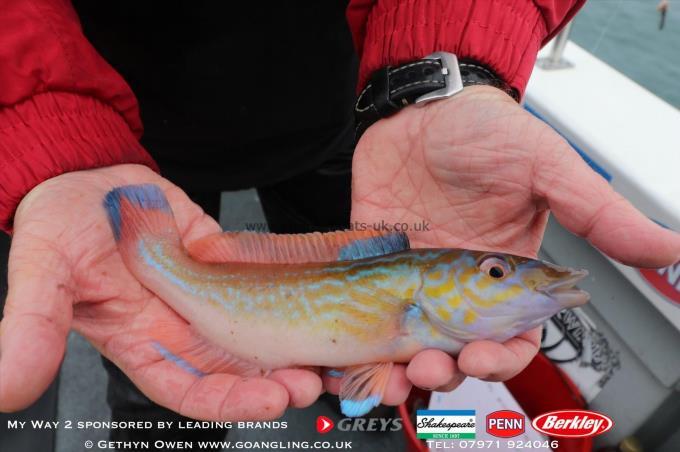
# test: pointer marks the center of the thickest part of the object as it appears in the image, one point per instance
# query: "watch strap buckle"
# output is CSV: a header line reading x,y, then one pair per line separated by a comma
x,y
450,71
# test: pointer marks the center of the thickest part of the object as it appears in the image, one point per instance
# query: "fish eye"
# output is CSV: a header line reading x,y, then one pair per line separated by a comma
x,y
494,266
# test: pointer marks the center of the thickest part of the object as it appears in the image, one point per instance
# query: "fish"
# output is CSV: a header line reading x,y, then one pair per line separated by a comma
x,y
353,301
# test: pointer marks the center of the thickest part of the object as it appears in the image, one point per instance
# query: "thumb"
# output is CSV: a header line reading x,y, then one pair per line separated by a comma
x,y
586,204
36,321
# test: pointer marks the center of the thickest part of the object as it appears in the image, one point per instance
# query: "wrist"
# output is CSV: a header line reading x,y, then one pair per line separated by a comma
x,y
484,93
56,133
436,77
504,36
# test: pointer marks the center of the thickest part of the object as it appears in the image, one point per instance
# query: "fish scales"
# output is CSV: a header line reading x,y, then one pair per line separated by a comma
x,y
312,290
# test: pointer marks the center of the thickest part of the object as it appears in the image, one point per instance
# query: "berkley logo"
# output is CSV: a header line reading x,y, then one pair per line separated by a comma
x,y
572,423
324,424
505,423
665,280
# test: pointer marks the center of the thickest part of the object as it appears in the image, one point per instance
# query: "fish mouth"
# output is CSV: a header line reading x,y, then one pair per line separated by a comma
x,y
563,291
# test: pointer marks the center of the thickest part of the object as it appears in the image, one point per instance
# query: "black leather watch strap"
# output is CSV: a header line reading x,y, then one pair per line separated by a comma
x,y
392,88
474,73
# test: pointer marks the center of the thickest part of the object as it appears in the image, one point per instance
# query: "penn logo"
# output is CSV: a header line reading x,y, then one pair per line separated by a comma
x,y
324,424
505,423
665,280
573,423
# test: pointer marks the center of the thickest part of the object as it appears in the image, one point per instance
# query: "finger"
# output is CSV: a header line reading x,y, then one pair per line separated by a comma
x,y
398,386
192,222
491,361
214,397
229,397
303,386
453,384
200,388
434,370
331,380
586,204
36,321
396,392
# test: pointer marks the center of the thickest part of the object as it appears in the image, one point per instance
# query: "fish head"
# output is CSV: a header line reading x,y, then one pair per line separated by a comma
x,y
474,295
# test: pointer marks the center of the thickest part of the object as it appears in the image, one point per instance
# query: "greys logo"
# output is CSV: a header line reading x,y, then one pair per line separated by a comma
x,y
376,424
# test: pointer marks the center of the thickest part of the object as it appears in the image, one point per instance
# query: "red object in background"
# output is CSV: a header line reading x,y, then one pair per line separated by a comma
x,y
418,399
556,391
667,284
539,388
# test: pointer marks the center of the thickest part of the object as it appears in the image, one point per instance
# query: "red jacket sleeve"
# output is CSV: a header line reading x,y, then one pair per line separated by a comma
x,y
62,107
503,34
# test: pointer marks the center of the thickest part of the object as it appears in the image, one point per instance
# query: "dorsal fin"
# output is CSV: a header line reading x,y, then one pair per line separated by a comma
x,y
292,248
375,246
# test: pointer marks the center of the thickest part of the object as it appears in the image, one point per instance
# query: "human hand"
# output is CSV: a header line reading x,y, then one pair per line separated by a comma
x,y
65,272
484,174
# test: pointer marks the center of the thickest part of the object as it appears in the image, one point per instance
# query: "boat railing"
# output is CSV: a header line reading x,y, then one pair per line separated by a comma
x,y
555,59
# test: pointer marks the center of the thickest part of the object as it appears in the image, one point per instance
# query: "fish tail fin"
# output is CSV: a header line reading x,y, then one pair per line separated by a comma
x,y
136,211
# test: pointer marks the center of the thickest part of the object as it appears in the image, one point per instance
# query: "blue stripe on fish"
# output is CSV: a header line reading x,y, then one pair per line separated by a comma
x,y
165,353
161,266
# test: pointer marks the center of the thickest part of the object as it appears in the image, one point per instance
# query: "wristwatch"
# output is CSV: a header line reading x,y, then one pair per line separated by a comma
x,y
437,76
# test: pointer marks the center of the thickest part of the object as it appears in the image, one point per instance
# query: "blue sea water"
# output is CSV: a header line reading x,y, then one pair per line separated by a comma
x,y
625,34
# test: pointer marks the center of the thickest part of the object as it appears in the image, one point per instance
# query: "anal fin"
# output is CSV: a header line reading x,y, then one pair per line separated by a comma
x,y
362,387
177,342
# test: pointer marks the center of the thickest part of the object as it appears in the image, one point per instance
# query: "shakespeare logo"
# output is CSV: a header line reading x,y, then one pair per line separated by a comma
x,y
446,424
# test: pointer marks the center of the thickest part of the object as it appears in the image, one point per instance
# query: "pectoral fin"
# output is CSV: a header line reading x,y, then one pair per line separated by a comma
x,y
362,387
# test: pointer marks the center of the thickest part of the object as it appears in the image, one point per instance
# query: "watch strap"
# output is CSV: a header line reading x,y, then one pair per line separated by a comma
x,y
392,88
474,73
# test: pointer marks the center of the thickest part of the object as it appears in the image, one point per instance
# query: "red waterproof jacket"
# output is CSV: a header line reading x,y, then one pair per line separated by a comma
x,y
63,108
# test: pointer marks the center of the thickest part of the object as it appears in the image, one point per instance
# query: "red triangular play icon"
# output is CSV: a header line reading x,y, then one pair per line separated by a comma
x,y
324,424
